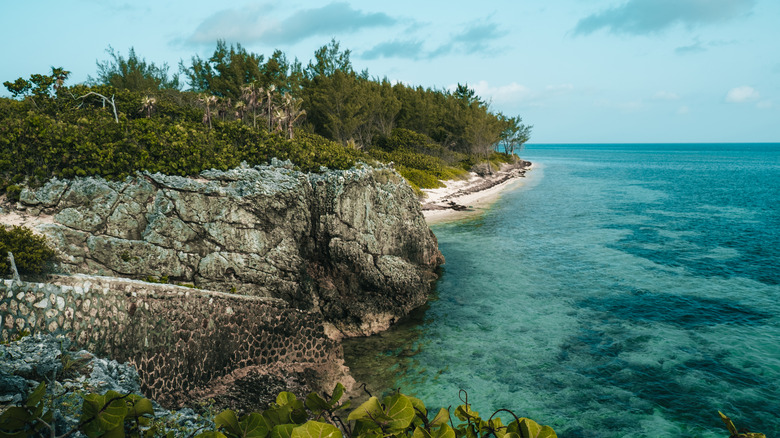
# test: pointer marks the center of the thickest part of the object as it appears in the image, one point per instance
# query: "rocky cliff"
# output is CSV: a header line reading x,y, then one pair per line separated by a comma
x,y
351,245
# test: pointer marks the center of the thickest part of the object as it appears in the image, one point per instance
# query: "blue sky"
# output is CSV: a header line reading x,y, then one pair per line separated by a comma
x,y
580,71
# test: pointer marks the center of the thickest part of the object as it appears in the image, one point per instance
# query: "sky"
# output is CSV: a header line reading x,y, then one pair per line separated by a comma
x,y
579,71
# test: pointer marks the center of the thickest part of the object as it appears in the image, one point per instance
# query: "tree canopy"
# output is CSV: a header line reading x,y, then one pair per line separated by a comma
x,y
241,106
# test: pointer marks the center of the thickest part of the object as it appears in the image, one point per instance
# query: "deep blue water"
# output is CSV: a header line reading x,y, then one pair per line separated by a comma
x,y
621,290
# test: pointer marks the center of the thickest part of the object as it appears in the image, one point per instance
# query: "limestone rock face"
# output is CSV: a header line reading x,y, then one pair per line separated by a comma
x,y
352,245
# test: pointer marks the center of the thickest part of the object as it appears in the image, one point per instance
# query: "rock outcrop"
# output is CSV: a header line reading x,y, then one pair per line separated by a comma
x,y
351,245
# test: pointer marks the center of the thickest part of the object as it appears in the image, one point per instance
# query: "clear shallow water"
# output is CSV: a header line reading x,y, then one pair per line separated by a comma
x,y
623,290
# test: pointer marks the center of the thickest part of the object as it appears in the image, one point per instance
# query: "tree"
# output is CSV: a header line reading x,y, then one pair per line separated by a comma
x,y
292,112
147,105
225,72
514,135
133,73
329,60
251,94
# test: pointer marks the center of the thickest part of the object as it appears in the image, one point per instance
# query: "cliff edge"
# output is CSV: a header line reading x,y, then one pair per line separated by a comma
x,y
351,245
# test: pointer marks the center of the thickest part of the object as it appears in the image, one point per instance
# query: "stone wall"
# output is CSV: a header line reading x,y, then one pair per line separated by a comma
x,y
352,245
186,343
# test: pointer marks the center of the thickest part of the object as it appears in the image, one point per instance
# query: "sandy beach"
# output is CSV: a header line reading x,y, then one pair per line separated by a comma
x,y
469,197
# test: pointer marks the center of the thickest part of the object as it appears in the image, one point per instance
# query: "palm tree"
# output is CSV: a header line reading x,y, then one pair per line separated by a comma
x,y
251,94
240,108
269,99
60,75
148,104
208,101
279,117
292,112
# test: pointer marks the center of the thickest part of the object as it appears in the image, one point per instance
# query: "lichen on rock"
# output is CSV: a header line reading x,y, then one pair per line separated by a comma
x,y
352,245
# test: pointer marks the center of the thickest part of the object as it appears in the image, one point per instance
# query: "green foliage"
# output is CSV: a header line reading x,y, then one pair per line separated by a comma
x,y
31,253
397,415
108,415
420,178
12,192
242,107
133,73
28,419
225,72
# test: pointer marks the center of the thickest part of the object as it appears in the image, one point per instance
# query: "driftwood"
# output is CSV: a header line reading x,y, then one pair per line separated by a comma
x,y
105,99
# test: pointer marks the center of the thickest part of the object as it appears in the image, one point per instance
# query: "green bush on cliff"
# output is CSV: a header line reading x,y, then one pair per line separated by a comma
x,y
31,253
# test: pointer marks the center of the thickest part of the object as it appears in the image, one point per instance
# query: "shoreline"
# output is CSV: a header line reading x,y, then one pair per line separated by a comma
x,y
462,199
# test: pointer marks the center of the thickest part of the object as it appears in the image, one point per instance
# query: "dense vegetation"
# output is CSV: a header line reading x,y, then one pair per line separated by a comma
x,y
241,107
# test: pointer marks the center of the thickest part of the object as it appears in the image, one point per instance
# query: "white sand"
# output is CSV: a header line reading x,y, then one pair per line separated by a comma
x,y
477,202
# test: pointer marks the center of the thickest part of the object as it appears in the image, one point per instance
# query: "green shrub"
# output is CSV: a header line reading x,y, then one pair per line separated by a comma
x,y
420,178
12,192
31,253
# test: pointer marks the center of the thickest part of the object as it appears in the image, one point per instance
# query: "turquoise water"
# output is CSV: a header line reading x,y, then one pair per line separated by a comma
x,y
622,290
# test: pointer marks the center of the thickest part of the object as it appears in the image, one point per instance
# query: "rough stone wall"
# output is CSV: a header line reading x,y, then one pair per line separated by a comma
x,y
352,245
184,342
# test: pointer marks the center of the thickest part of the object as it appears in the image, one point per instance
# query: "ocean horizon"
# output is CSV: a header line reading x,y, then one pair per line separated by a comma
x,y
619,290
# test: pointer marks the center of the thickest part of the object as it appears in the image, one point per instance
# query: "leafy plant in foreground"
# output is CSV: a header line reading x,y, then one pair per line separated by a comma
x,y
397,415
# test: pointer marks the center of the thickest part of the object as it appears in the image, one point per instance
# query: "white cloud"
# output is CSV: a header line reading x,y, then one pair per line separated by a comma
x,y
765,104
505,93
252,24
742,94
666,95
643,17
683,110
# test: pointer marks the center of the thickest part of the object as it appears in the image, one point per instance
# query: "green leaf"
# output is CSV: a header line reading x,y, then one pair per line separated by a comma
x,y
316,429
399,408
440,418
101,418
251,425
338,392
418,406
445,431
464,413
285,398
419,432
316,403
211,434
277,416
370,409
547,432
37,395
14,418
228,420
527,428
366,429
254,425
139,406
282,431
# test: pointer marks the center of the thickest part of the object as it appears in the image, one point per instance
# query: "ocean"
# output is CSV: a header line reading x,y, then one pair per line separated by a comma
x,y
618,291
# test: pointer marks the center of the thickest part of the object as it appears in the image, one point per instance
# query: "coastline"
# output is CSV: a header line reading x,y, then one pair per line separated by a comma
x,y
461,199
